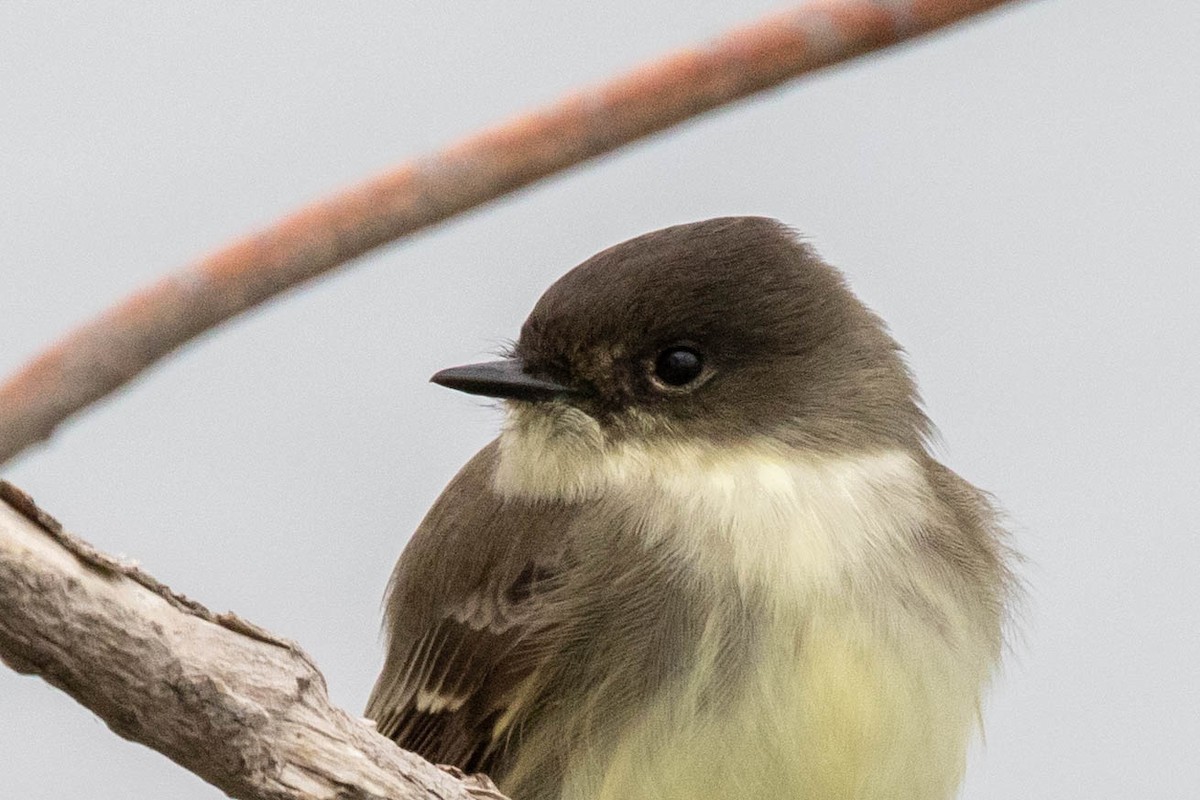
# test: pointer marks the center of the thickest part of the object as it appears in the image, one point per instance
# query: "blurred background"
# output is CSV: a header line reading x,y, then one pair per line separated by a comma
x,y
1019,197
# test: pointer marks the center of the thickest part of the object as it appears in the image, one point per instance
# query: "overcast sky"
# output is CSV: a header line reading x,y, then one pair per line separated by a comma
x,y
1018,197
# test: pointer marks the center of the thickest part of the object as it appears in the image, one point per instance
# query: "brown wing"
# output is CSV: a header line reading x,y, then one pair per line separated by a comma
x,y
465,614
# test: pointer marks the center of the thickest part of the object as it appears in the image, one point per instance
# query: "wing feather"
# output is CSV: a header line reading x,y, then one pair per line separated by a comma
x,y
466,611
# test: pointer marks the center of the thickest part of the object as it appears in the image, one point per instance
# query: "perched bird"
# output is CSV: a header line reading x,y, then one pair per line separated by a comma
x,y
709,555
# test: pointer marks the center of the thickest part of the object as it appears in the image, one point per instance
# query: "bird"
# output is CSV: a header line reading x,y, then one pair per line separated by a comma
x,y
709,555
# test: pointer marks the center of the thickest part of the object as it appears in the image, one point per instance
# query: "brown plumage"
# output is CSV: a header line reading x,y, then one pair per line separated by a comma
x,y
594,581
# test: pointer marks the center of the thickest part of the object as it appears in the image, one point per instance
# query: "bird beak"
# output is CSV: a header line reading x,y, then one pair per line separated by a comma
x,y
505,379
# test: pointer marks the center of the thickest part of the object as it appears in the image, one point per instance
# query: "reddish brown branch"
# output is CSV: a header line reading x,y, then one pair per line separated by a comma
x,y
108,352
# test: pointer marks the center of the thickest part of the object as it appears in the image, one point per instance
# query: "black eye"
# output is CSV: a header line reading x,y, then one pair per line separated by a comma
x,y
678,366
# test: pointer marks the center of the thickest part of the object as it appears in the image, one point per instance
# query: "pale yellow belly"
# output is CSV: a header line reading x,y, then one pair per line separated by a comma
x,y
831,713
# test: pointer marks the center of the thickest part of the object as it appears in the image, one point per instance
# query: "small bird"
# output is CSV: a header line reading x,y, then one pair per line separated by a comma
x,y
709,556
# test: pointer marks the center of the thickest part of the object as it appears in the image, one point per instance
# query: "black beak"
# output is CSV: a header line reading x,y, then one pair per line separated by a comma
x,y
505,379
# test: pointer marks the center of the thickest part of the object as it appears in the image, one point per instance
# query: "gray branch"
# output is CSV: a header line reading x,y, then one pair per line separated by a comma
x,y
243,709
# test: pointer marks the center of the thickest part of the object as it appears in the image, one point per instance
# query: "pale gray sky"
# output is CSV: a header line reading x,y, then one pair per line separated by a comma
x,y
1019,198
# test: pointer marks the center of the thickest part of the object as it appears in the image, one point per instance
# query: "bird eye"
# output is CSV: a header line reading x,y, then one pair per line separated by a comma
x,y
678,366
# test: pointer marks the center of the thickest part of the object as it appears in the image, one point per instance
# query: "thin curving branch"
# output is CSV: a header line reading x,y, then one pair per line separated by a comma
x,y
241,708
108,352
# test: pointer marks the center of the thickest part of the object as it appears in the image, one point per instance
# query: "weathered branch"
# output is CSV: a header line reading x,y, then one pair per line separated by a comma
x,y
244,710
108,352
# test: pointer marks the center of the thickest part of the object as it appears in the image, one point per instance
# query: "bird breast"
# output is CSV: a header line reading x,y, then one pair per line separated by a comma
x,y
865,671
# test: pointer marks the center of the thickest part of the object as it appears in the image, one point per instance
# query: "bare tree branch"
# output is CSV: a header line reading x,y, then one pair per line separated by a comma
x,y
108,352
241,708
